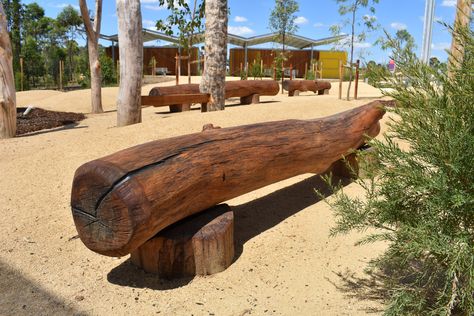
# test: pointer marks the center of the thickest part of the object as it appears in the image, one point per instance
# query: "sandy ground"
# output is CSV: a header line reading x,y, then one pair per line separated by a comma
x,y
285,263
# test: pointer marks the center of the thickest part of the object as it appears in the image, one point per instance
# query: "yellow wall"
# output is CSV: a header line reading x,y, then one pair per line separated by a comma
x,y
330,62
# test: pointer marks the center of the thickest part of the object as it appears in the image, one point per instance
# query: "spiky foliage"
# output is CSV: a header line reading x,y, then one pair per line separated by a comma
x,y
419,197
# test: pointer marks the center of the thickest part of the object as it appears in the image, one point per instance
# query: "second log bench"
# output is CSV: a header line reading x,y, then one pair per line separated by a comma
x,y
249,92
294,87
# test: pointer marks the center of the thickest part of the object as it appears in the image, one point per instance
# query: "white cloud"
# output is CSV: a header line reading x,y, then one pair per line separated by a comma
x,y
449,3
156,7
368,17
319,24
441,46
63,5
240,30
149,24
240,19
398,26
362,45
301,20
155,4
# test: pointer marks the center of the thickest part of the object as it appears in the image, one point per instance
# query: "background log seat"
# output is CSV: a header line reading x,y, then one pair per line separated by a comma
x,y
249,92
176,102
295,86
122,200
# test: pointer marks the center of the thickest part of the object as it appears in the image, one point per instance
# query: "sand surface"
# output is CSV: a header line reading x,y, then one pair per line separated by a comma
x,y
285,263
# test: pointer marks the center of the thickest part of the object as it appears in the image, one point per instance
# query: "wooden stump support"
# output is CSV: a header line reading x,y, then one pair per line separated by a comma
x,y
201,244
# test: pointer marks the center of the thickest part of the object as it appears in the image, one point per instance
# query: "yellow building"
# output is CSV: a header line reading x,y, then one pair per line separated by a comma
x,y
329,62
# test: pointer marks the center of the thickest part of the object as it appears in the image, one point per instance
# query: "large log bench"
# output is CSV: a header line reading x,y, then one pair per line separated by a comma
x,y
294,87
249,92
122,201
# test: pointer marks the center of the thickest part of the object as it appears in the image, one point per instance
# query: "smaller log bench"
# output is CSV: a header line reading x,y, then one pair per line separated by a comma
x,y
176,102
249,92
294,87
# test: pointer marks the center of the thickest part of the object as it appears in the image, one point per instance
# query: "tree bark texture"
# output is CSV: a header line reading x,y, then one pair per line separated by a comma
x,y
93,32
122,200
201,244
213,78
131,62
463,18
7,82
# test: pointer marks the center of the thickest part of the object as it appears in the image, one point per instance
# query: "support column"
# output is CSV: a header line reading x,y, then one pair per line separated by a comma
x,y
427,30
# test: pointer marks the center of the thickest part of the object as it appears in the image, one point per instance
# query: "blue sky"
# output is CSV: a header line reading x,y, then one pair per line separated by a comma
x,y
250,18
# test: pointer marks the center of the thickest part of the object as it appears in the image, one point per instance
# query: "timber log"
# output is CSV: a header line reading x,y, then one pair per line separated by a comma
x,y
122,200
295,86
248,91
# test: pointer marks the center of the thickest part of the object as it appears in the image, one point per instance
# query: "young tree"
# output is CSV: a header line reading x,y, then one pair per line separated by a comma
x,y
418,195
7,82
187,19
93,33
69,20
213,78
131,62
282,21
352,8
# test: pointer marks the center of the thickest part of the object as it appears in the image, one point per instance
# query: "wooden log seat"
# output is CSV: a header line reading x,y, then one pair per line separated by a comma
x,y
201,244
249,92
122,200
295,86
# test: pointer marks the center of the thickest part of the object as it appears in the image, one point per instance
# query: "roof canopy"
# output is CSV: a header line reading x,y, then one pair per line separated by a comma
x,y
292,40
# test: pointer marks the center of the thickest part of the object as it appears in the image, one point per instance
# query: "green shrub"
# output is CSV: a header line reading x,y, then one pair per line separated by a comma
x,y
419,198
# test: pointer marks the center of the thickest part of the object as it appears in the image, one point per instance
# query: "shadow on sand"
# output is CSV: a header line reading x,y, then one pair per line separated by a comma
x,y
21,296
250,220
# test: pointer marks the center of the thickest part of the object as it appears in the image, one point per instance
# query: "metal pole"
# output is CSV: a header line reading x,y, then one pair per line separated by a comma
x,y
427,30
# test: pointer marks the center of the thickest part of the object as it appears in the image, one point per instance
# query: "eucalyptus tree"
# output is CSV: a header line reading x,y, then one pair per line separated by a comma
x,y
131,62
282,22
7,82
187,19
93,33
351,11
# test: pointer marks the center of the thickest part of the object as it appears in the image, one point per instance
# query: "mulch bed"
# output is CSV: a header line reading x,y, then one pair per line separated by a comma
x,y
39,119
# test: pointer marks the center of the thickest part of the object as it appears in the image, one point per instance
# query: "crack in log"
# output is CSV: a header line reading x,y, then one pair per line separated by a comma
x,y
131,173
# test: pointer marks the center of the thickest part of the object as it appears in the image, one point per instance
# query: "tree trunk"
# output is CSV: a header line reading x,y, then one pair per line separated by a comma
x,y
131,62
122,200
7,82
352,51
213,78
93,33
463,17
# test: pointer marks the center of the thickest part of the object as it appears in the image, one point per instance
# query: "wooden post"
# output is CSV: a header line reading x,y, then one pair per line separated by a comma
x,y
117,71
246,71
189,67
21,74
341,67
282,75
291,71
356,85
176,68
154,66
60,75
306,70
261,69
241,71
